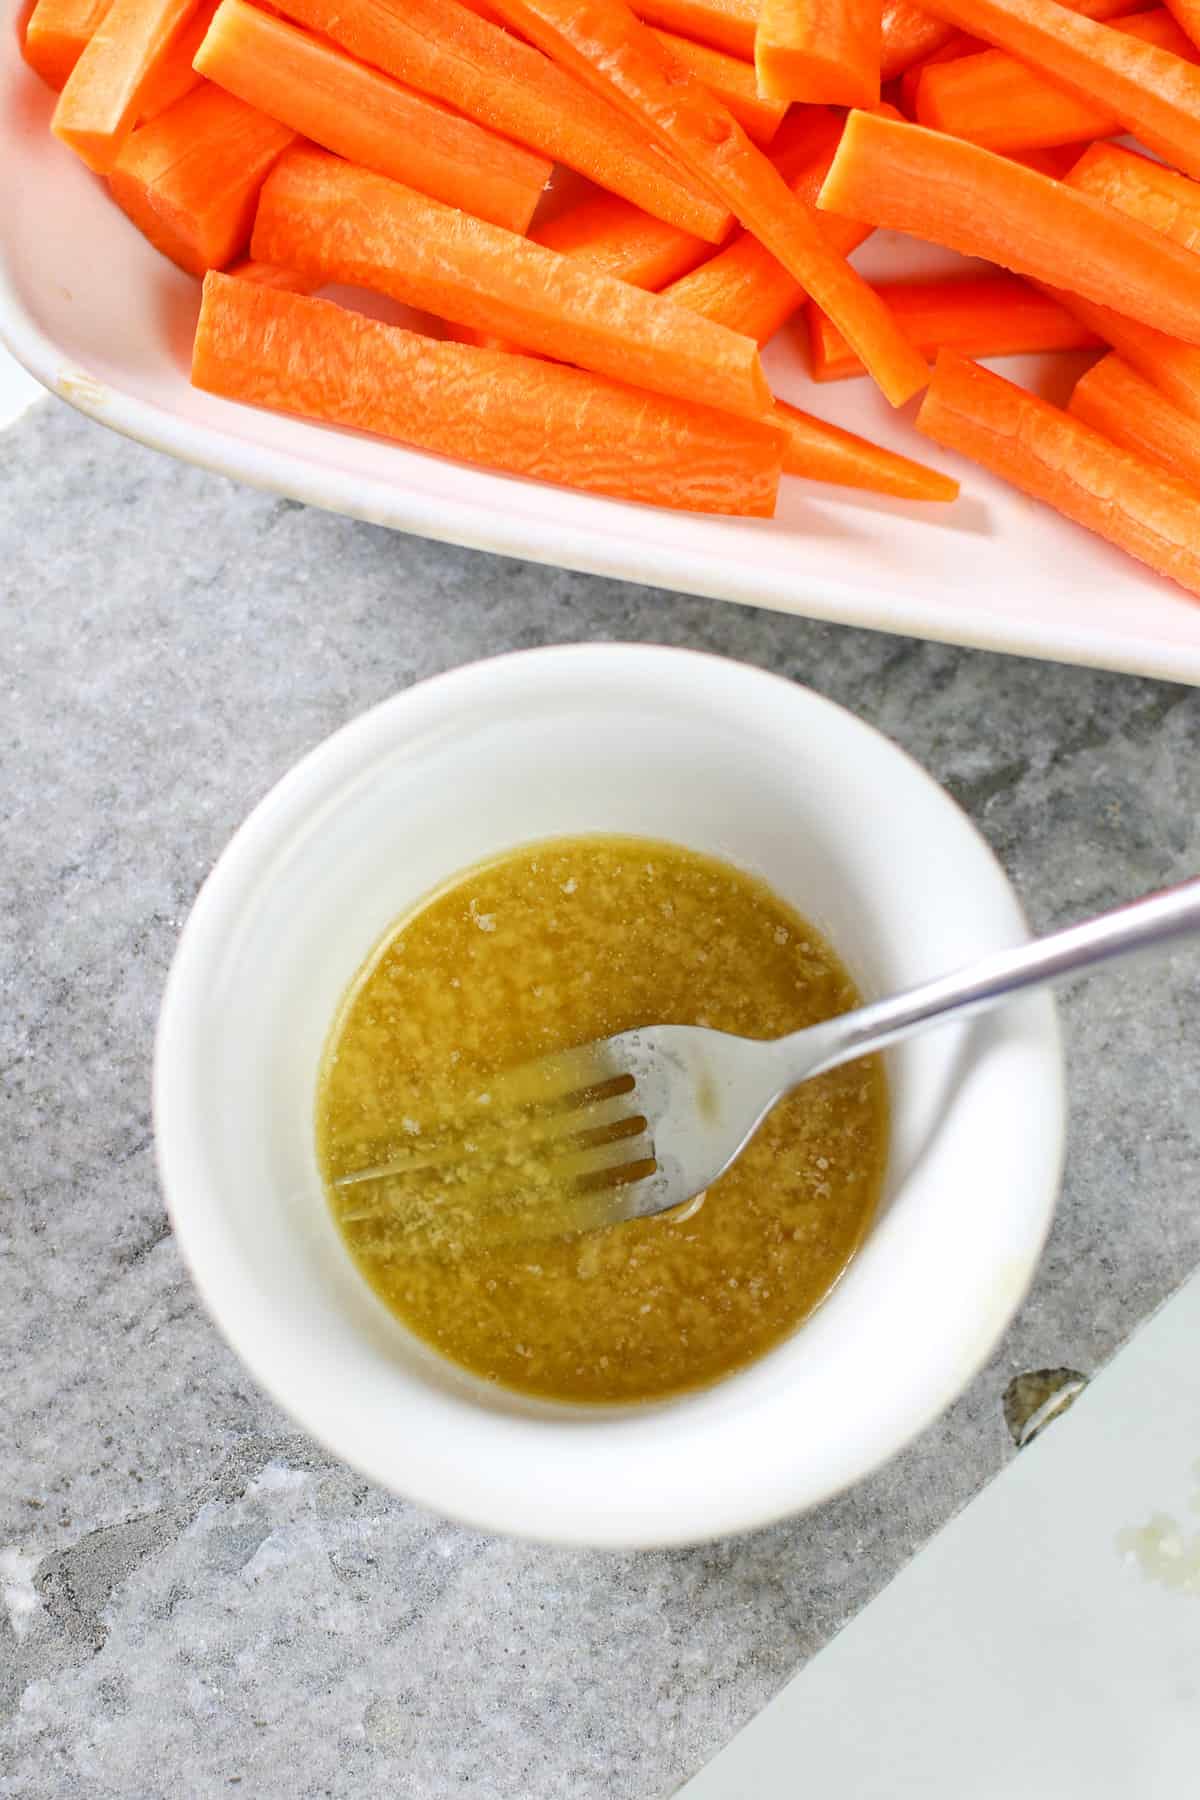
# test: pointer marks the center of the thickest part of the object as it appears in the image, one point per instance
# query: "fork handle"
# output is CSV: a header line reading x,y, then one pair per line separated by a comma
x,y
1141,925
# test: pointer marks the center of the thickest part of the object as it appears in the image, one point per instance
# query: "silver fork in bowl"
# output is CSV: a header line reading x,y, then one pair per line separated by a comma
x,y
650,1118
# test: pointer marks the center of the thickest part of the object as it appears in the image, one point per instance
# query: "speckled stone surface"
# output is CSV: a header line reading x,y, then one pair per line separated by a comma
x,y
197,1598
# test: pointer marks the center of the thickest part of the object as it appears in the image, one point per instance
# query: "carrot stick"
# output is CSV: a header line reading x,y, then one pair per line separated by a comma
x,y
361,114
190,179
1142,190
955,47
907,36
743,286
173,76
727,25
823,452
342,223
995,99
102,97
602,42
56,33
971,200
1152,91
1059,460
1187,17
514,413
289,281
733,83
822,50
1114,399
1172,366
977,315
608,233
442,49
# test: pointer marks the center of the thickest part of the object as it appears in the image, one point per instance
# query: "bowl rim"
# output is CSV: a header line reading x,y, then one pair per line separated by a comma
x,y
194,1212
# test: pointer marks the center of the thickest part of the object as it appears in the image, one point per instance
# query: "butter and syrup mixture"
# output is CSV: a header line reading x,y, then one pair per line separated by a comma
x,y
550,946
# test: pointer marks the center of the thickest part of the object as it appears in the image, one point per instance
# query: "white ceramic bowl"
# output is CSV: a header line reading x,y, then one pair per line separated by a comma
x,y
101,319
669,744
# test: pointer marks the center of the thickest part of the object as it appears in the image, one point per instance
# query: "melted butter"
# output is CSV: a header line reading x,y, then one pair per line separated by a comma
x,y
548,947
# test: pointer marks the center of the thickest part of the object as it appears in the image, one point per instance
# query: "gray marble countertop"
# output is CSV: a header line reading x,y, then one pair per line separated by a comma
x,y
196,1597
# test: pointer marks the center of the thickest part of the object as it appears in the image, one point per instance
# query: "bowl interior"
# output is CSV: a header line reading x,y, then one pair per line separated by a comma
x,y
660,744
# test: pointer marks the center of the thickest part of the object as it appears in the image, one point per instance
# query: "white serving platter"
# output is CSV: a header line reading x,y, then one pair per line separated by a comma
x,y
105,322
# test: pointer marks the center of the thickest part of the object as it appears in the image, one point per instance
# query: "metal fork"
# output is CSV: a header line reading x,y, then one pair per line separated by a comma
x,y
652,1117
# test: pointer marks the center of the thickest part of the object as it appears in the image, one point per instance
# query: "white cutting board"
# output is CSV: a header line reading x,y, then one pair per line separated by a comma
x,y
1045,1645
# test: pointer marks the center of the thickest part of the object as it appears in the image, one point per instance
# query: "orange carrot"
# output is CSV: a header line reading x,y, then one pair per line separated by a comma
x,y
601,41
173,76
743,286
1143,190
626,242
101,100
971,200
271,348
56,33
1172,366
1187,16
823,50
733,83
977,315
190,179
1152,91
290,281
441,48
308,84
610,234
1049,159
952,50
1059,460
725,24
1114,399
911,35
907,36
823,452
995,99
342,223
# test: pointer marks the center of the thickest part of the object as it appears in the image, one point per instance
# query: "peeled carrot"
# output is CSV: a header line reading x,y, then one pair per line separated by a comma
x,y
733,83
626,242
604,43
823,50
953,193
1187,16
907,35
190,179
955,47
725,24
56,33
331,219
1171,365
308,84
271,348
443,49
101,100
1061,461
824,452
173,76
289,281
743,286
1115,400
997,100
1152,91
1143,190
610,234
977,315
910,35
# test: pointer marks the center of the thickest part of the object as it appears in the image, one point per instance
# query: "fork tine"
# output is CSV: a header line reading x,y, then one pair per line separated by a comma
x,y
608,1115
